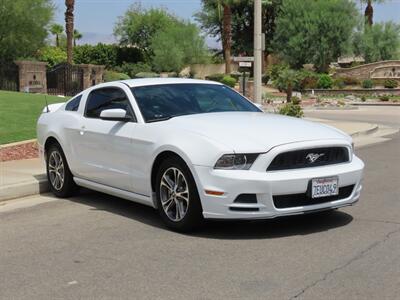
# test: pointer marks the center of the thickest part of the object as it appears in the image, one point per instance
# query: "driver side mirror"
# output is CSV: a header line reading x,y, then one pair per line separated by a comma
x,y
115,114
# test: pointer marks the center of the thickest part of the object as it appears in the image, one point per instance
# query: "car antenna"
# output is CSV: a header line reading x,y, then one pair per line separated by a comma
x,y
47,104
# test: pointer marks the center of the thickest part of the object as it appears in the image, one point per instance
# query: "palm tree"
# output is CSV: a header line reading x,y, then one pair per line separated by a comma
x,y
369,11
226,35
69,27
77,36
57,30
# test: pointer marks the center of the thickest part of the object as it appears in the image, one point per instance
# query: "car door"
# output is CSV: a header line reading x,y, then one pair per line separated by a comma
x,y
104,146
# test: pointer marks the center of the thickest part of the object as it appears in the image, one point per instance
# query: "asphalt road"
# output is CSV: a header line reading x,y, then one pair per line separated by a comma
x,y
99,247
385,115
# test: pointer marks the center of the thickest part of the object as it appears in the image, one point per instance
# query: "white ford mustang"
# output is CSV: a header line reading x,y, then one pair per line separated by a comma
x,y
195,149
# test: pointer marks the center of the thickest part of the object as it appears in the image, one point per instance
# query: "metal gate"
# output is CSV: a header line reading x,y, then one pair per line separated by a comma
x,y
65,79
9,77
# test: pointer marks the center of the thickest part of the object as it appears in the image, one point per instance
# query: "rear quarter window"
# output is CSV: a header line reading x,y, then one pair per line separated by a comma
x,y
73,104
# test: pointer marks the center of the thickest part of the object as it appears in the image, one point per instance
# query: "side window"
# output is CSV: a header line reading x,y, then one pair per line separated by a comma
x,y
73,104
107,98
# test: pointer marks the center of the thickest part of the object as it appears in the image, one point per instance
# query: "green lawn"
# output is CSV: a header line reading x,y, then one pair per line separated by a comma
x,y
19,113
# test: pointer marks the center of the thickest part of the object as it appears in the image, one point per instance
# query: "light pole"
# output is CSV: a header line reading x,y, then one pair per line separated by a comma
x,y
257,51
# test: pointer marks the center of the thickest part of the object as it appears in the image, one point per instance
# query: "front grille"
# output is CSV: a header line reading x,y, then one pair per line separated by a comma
x,y
304,158
303,199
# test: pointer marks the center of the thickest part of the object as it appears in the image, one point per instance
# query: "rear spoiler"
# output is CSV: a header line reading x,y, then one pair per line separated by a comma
x,y
52,107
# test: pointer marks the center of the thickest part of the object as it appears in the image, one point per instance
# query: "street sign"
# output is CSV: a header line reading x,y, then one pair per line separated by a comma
x,y
243,58
245,64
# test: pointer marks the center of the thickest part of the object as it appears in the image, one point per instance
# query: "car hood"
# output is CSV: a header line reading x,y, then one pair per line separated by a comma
x,y
253,131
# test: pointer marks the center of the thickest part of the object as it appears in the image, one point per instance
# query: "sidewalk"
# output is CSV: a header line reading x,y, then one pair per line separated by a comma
x,y
21,178
27,177
351,128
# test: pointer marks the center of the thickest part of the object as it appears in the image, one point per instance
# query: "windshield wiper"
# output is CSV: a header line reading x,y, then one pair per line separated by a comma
x,y
159,119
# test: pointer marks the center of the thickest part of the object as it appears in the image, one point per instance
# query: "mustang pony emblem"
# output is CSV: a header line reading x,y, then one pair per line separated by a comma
x,y
313,157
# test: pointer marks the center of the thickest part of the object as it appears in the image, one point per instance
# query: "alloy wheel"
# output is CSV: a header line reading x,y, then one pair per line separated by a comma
x,y
174,194
56,170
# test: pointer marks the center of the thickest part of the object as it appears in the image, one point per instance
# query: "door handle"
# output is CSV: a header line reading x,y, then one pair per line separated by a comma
x,y
82,131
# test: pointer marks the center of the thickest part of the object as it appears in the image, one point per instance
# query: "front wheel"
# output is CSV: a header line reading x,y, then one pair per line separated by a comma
x,y
59,176
177,197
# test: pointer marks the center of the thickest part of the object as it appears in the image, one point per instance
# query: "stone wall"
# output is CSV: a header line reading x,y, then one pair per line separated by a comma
x,y
356,92
203,70
92,75
32,76
389,69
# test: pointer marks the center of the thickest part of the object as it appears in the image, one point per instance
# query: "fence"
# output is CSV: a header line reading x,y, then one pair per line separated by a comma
x,y
65,79
9,77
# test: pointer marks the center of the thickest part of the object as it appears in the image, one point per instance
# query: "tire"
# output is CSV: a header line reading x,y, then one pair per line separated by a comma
x,y
59,176
178,200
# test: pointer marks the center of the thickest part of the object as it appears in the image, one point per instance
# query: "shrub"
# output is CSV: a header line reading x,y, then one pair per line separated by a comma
x,y
133,69
384,98
229,81
290,109
114,76
350,81
215,77
339,83
367,84
341,103
325,82
390,84
296,100
147,75
307,80
108,55
275,70
363,98
287,81
52,55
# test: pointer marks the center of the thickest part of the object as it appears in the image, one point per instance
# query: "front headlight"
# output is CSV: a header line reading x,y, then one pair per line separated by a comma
x,y
235,161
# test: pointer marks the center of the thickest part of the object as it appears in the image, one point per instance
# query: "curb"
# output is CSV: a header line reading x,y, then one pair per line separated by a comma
x,y
369,131
24,189
18,143
375,104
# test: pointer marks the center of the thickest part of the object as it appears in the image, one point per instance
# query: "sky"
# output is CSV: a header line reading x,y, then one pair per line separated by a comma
x,y
95,19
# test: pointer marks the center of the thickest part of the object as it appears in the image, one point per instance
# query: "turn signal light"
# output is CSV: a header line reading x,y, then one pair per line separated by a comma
x,y
214,193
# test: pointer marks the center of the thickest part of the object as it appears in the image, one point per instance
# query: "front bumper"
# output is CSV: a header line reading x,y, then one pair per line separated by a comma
x,y
265,185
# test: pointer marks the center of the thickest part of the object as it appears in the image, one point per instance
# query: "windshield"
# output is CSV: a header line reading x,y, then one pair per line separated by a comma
x,y
162,102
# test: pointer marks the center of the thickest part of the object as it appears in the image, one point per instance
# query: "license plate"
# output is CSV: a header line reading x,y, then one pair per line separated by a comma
x,y
324,187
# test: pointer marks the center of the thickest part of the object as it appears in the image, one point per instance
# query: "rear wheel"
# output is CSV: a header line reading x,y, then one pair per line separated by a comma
x,y
177,197
59,176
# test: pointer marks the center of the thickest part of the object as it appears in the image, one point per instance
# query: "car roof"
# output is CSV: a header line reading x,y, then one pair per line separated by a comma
x,y
155,81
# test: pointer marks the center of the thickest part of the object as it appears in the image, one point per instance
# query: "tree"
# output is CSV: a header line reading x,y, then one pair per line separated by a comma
x,y
77,36
69,28
138,26
378,42
242,23
172,52
369,11
315,32
287,80
57,30
226,32
23,26
52,55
